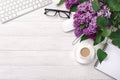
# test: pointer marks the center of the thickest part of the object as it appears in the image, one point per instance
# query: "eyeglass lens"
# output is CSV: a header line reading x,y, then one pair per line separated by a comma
x,y
64,14
50,13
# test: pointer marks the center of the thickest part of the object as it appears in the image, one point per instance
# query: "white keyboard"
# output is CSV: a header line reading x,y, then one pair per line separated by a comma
x,y
11,9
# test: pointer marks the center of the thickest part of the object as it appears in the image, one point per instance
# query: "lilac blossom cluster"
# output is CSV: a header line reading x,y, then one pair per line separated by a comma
x,y
105,12
70,3
86,15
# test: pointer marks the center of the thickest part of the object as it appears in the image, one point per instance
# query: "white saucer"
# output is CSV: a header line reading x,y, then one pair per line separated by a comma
x,y
80,59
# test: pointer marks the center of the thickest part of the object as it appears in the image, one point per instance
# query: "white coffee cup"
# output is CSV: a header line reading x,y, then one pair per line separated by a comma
x,y
84,53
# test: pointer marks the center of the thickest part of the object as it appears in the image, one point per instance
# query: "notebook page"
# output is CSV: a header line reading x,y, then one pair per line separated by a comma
x,y
111,65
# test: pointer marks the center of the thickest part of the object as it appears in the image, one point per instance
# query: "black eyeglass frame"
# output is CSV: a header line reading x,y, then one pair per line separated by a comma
x,y
58,11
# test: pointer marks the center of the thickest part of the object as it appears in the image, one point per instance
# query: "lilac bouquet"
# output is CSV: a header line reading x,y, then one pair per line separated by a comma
x,y
96,19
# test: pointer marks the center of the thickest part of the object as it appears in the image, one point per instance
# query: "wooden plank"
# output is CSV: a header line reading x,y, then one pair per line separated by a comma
x,y
39,58
34,29
35,43
50,73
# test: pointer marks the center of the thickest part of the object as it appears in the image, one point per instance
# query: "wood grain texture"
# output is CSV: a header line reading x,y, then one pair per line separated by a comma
x,y
34,47
50,73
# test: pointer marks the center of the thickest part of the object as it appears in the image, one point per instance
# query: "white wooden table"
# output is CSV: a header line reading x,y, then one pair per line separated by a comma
x,y
34,47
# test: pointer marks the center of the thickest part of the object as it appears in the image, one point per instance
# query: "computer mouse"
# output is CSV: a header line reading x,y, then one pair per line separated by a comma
x,y
67,25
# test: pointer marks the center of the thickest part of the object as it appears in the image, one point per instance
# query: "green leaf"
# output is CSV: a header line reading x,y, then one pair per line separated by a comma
x,y
114,4
102,22
99,38
115,18
81,1
106,32
115,37
116,42
73,8
84,37
95,5
61,2
105,1
101,55
82,26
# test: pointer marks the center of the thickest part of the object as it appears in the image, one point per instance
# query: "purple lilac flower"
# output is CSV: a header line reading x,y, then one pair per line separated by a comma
x,y
79,20
78,32
86,15
92,36
69,3
105,12
82,18
91,28
83,7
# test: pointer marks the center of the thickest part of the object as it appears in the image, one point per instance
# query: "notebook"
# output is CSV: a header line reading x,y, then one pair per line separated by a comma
x,y
111,65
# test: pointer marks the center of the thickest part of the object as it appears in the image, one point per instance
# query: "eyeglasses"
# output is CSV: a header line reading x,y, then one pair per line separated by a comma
x,y
53,12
